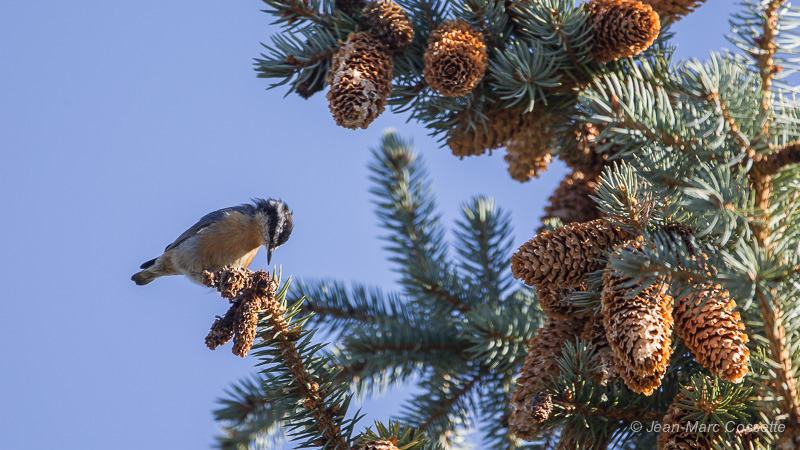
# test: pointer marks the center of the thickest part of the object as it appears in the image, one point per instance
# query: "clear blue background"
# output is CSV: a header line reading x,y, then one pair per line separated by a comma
x,y
121,123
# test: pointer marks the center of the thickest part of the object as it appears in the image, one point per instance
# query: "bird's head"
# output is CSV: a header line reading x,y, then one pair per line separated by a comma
x,y
275,221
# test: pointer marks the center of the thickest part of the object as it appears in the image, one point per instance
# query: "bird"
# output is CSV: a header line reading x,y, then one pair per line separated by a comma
x,y
229,236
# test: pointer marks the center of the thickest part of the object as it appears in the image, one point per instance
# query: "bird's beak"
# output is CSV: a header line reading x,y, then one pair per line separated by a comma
x,y
269,255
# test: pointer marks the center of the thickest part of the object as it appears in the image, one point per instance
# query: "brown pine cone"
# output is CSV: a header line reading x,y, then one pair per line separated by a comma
x,y
222,330
621,28
641,384
360,79
541,406
677,431
582,155
557,303
380,445
563,257
539,366
456,59
246,325
571,201
501,125
790,440
638,328
673,10
529,151
349,7
388,22
594,332
712,330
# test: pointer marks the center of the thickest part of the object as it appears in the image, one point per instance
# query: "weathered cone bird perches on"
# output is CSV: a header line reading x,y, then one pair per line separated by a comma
x,y
249,293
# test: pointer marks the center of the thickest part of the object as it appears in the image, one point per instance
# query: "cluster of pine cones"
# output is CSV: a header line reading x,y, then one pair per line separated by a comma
x,y
632,333
361,70
456,58
249,293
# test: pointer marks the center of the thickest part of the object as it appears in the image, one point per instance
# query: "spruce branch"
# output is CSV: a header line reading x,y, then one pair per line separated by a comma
x,y
484,244
337,306
298,380
453,391
761,180
765,58
408,210
294,12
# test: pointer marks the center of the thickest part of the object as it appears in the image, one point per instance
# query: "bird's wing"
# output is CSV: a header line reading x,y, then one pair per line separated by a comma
x,y
204,222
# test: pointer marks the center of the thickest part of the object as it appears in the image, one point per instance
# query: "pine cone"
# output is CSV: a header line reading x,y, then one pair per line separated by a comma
x,y
349,7
621,28
360,79
529,150
456,59
677,427
310,86
583,157
594,332
222,331
712,330
541,407
379,445
557,303
388,22
230,281
539,366
641,384
563,257
570,201
246,325
638,329
790,440
501,125
673,10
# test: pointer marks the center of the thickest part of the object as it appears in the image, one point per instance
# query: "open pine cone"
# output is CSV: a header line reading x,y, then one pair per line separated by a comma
x,y
539,366
563,257
638,329
388,22
360,79
621,28
501,125
712,329
673,10
456,59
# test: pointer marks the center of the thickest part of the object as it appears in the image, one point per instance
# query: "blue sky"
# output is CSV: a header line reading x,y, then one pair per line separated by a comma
x,y
121,123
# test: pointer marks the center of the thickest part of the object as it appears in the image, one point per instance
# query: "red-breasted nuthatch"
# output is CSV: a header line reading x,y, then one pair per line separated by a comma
x,y
229,236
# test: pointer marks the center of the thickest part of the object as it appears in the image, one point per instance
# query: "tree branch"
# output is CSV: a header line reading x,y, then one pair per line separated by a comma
x,y
448,403
261,288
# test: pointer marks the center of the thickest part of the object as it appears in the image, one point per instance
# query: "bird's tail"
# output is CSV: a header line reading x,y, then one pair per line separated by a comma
x,y
144,277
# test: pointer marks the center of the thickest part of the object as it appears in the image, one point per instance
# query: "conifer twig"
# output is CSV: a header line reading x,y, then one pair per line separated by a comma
x,y
259,288
761,177
766,59
449,402
626,415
